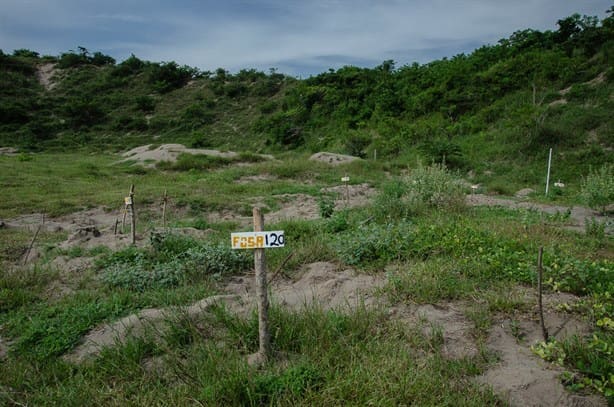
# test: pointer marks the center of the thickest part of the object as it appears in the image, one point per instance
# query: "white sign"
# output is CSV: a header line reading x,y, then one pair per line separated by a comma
x,y
257,240
345,179
128,200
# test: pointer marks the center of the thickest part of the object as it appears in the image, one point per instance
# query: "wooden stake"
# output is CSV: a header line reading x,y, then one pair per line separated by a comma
x,y
539,292
124,219
347,193
264,336
164,200
132,214
25,259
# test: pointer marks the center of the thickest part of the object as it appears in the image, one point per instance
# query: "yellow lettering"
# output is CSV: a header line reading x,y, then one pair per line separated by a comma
x,y
235,241
259,241
243,242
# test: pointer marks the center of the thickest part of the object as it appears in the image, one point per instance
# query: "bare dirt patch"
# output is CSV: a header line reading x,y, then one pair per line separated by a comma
x,y
520,377
45,75
256,178
9,151
322,284
148,155
302,206
332,158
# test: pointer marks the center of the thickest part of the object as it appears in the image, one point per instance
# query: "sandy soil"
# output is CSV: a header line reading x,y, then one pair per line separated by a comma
x,y
45,74
520,377
302,206
149,157
10,151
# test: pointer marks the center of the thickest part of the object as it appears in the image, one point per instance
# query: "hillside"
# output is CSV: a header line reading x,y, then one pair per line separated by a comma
x,y
489,113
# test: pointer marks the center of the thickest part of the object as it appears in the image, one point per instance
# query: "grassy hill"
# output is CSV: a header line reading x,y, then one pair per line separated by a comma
x,y
494,112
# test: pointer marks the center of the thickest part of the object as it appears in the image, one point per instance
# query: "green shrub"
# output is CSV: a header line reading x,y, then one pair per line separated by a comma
x,y
326,205
598,188
172,261
432,187
375,244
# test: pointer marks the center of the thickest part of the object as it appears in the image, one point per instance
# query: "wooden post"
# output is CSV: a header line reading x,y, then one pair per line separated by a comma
x,y
164,200
539,292
347,191
124,218
264,336
132,214
115,228
548,173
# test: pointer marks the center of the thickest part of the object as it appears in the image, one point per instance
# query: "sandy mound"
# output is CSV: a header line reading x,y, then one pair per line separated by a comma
x,y
148,156
143,323
321,284
332,158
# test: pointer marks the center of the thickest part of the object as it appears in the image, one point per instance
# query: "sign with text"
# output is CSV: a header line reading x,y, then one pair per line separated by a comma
x,y
257,240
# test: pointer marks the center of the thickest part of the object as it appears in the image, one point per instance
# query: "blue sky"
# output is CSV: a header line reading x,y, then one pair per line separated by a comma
x,y
299,38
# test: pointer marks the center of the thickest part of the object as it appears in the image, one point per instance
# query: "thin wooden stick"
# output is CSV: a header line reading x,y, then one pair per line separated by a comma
x,y
133,214
539,292
281,266
164,200
25,259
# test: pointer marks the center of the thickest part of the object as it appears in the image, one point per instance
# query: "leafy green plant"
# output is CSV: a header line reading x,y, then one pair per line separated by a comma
x,y
375,243
326,205
598,188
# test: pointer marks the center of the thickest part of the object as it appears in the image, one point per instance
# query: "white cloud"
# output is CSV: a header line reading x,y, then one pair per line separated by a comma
x,y
240,33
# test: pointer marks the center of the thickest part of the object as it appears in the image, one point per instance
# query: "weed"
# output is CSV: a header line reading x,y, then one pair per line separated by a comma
x,y
598,188
326,204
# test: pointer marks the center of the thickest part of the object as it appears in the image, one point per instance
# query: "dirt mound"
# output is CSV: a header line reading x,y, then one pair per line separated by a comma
x,y
332,158
136,325
149,155
321,283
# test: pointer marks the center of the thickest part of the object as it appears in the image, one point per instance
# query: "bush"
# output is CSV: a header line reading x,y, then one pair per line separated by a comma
x,y
598,188
432,187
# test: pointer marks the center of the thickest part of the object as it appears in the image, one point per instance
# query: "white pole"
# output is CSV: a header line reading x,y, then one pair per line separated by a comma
x,y
548,175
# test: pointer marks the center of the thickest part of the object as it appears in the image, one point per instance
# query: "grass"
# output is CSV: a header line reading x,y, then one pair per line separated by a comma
x,y
429,255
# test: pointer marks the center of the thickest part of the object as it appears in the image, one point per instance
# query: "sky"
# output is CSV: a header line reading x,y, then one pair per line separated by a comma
x,y
296,37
